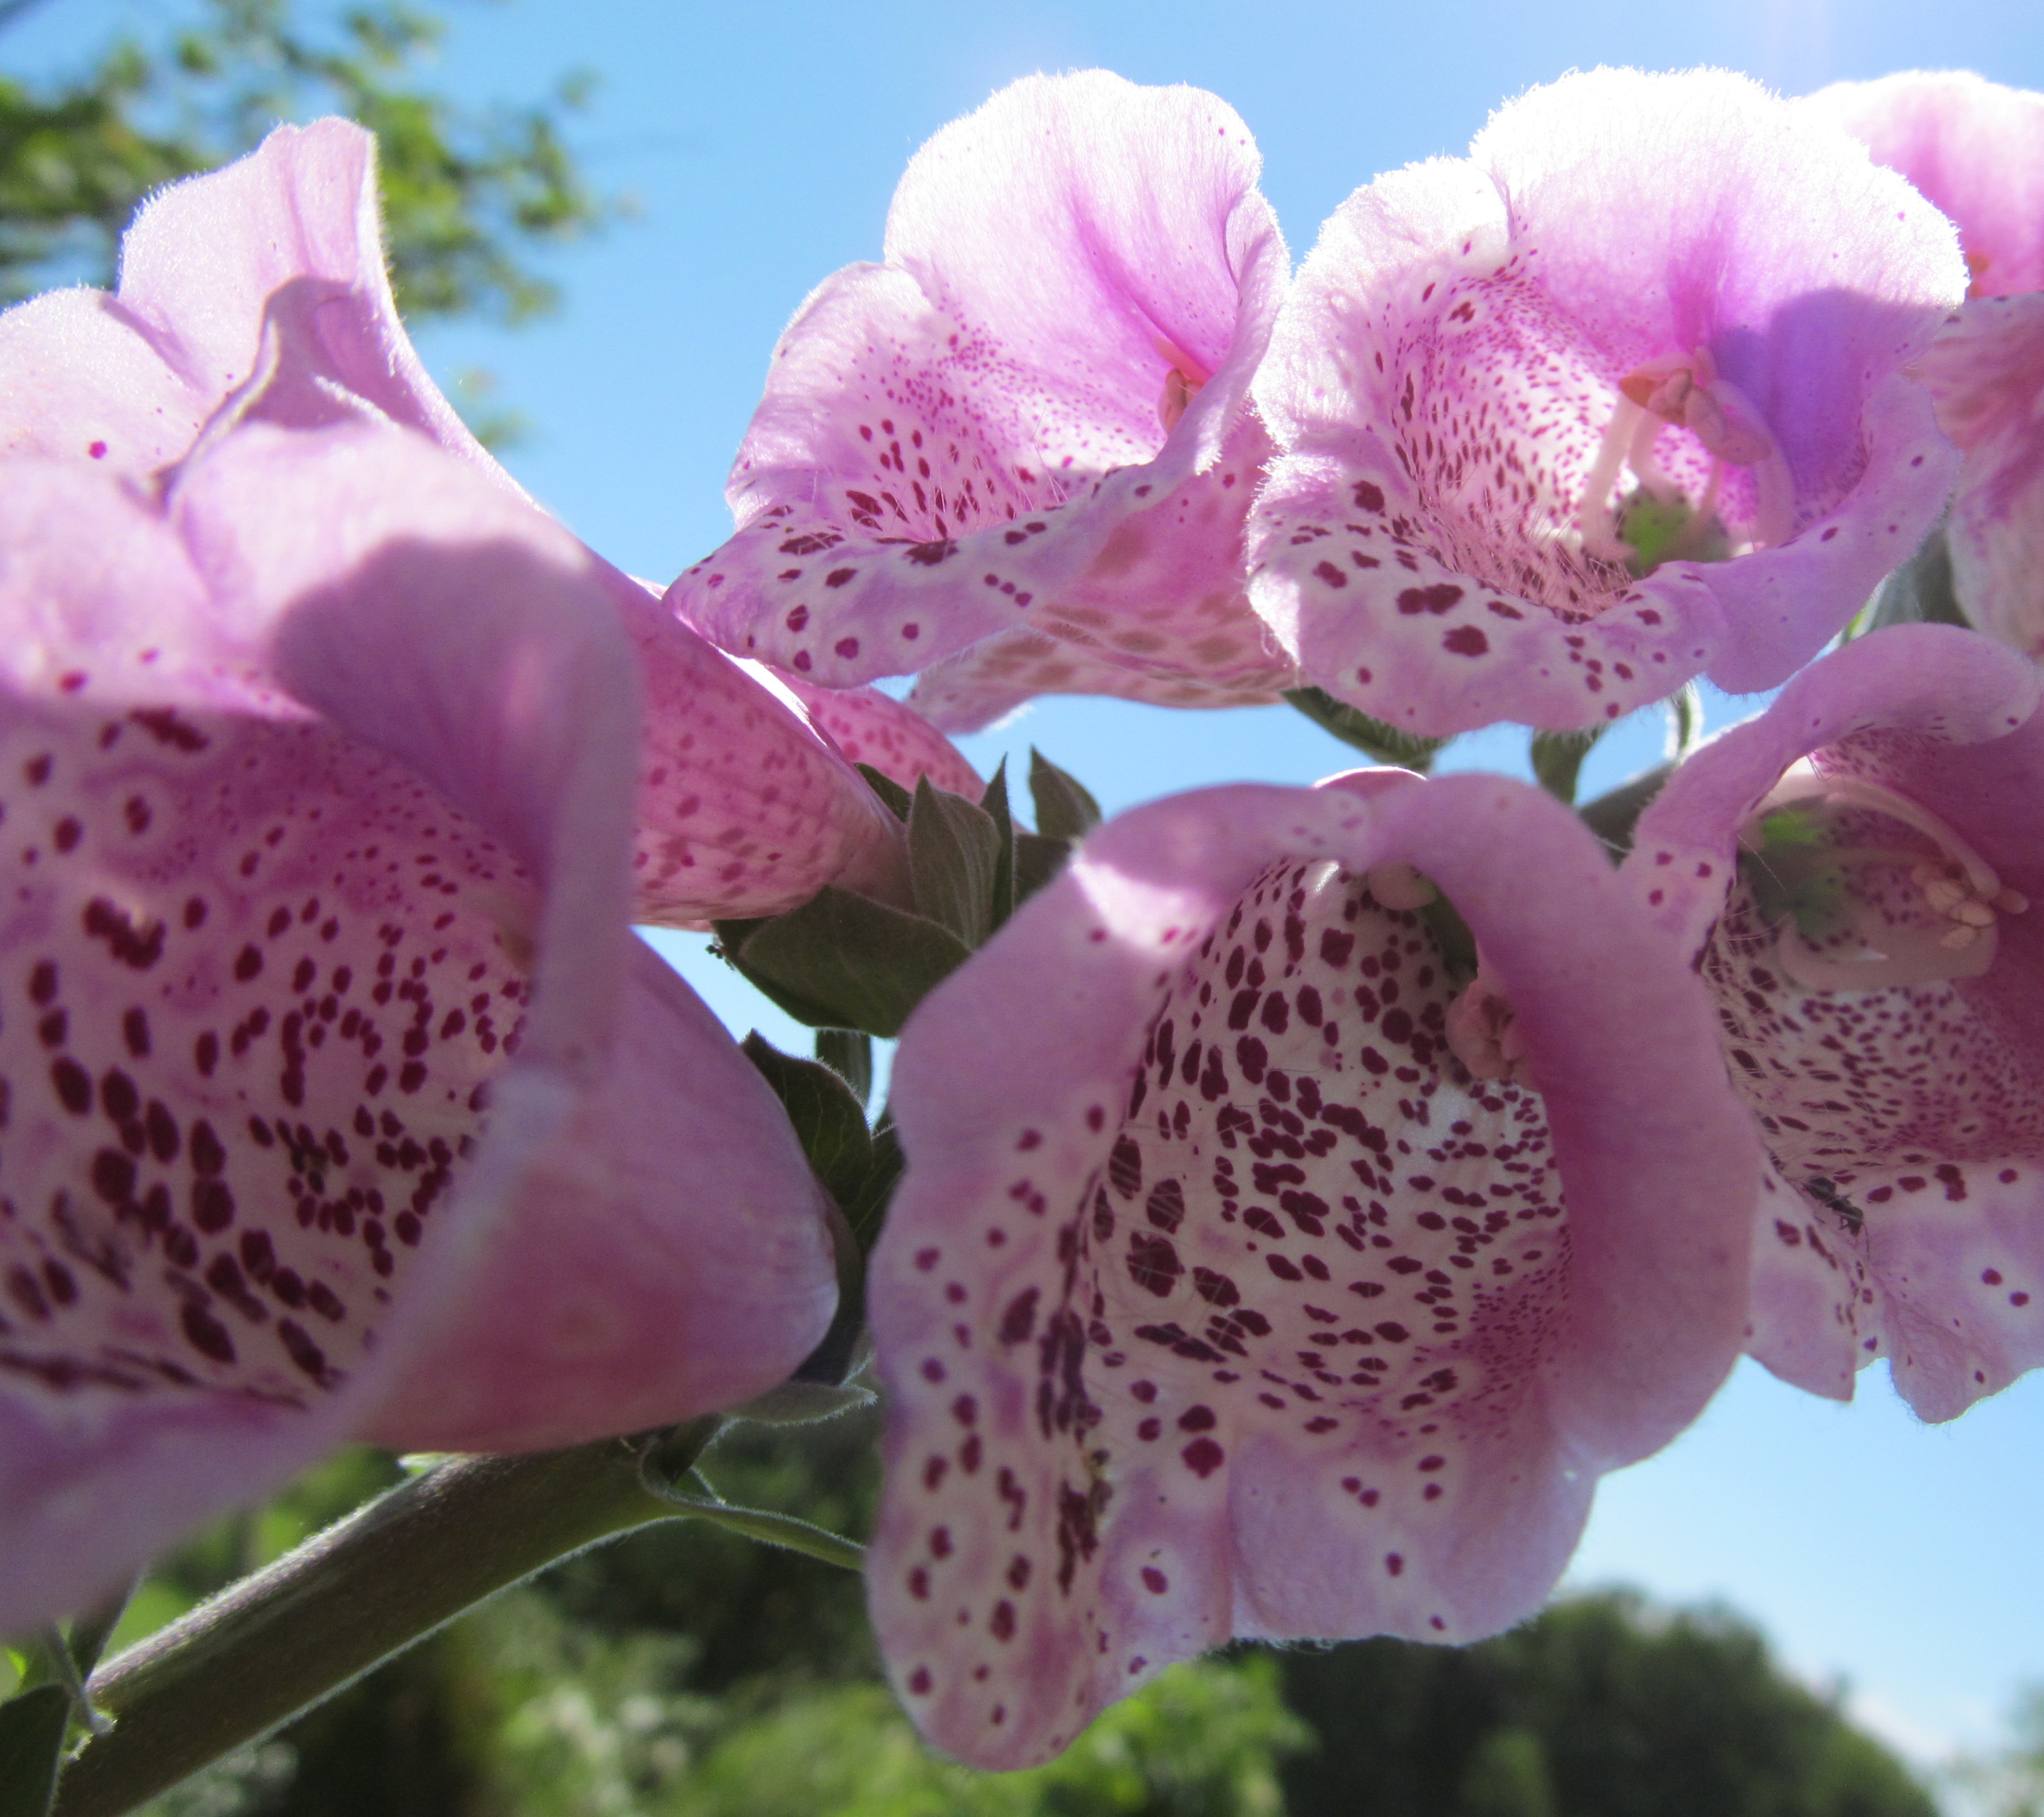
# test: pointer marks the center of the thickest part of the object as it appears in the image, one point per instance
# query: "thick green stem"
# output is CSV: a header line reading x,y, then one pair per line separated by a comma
x,y
389,1575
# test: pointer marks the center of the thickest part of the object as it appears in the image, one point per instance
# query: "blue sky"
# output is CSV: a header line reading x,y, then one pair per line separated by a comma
x,y
761,144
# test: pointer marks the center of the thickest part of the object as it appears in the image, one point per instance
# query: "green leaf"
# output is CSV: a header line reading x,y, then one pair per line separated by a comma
x,y
771,1529
1065,809
954,861
1685,721
1558,760
896,797
867,1211
1358,730
994,802
827,1119
31,1740
842,961
848,1053
1037,858
1452,940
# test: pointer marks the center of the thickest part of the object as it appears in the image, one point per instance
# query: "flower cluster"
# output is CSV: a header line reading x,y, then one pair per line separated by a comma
x,y
1308,1192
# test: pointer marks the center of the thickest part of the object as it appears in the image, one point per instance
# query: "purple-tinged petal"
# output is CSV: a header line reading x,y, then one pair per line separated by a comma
x,y
319,797
871,729
1218,1299
1984,376
1161,616
1452,376
285,241
1974,148
1902,1118
1080,281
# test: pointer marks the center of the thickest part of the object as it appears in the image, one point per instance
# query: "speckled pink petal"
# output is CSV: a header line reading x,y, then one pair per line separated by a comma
x,y
870,728
1161,616
1974,148
1218,1300
128,380
1080,281
318,798
1442,378
1902,1122
1984,376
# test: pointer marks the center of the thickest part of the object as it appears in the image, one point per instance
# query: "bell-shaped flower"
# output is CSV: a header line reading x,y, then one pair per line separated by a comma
x,y
338,1099
258,294
1852,871
1976,150
1972,146
1269,1263
1029,425
1616,400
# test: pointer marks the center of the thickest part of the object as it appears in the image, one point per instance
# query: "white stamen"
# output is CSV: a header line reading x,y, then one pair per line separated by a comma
x,y
1483,1032
1399,886
1958,888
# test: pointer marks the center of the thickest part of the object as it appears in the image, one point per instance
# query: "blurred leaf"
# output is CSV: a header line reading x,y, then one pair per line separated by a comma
x,y
1358,730
32,1738
841,961
954,861
829,1121
1919,592
994,803
897,798
1065,808
1037,858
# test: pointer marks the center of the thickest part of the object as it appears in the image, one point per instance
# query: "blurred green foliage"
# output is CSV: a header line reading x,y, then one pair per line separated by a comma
x,y
468,194
2008,1781
684,1671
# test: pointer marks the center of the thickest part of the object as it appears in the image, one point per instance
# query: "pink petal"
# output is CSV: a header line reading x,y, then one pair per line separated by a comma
x,y
951,439
869,728
1974,148
321,800
1913,1106
1109,1306
1984,375
1161,616
1442,378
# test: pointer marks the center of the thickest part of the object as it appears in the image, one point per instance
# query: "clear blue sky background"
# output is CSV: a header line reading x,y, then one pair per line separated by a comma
x,y
762,144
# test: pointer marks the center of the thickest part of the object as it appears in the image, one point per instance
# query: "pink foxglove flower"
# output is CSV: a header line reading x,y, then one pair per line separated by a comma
x,y
1976,150
1253,1275
1029,424
1973,148
339,1099
1854,871
260,294
1616,400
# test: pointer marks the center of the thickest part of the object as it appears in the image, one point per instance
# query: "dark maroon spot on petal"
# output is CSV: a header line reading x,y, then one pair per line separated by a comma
x,y
1154,1581
1020,1319
136,947
1465,640
1437,599
1197,1419
1393,1563
1203,1457
1153,1262
1165,1206
73,1085
1002,1624
207,1335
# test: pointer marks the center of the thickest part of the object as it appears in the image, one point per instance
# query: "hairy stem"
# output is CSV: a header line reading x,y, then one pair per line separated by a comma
x,y
372,1585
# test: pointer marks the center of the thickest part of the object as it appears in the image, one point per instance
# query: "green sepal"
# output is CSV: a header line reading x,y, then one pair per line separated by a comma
x,y
1613,816
1558,760
828,1120
1358,730
848,1053
33,1727
1039,858
994,804
1919,592
1065,808
954,861
841,961
691,1493
896,797
1685,721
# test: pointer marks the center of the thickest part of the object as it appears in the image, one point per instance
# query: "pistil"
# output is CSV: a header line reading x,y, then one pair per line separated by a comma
x,y
1684,392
